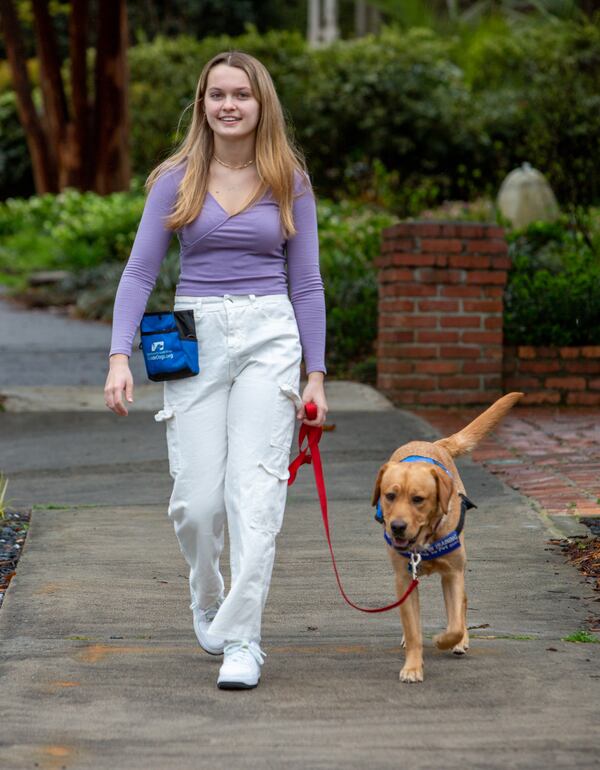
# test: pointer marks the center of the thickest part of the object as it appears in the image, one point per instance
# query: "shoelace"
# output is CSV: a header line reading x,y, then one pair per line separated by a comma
x,y
237,652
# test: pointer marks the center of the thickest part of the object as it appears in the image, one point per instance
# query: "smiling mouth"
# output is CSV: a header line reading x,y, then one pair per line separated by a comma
x,y
402,543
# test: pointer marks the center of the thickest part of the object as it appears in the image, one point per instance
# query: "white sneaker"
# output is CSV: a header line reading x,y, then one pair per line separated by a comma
x,y
202,620
241,666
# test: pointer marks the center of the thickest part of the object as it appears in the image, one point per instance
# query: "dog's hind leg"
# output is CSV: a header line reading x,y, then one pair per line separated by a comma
x,y
463,645
453,586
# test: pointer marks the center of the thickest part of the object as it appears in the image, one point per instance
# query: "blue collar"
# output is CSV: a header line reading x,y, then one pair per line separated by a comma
x,y
420,458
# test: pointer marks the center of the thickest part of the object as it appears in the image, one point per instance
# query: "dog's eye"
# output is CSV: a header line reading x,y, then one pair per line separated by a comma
x,y
390,496
416,499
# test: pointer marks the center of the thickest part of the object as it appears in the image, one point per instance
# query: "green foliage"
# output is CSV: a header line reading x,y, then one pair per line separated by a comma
x,y
582,637
553,291
349,241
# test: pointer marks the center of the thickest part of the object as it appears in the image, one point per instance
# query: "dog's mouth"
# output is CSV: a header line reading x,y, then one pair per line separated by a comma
x,y
399,542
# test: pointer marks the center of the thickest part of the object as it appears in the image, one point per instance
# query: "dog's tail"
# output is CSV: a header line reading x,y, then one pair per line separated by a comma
x,y
466,439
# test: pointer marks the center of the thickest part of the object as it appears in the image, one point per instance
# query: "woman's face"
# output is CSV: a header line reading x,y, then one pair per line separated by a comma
x,y
231,107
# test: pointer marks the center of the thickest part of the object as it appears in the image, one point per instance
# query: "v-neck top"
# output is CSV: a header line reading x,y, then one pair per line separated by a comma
x,y
244,253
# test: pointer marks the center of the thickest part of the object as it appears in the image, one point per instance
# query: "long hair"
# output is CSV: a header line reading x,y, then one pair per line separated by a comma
x,y
276,155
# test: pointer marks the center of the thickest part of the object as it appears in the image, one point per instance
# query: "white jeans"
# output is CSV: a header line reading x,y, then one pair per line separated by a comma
x,y
229,434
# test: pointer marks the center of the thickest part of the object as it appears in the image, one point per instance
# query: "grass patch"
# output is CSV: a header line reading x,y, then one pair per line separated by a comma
x,y
582,637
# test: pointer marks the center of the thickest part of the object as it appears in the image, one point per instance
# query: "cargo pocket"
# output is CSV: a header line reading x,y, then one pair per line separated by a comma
x,y
168,416
284,415
270,491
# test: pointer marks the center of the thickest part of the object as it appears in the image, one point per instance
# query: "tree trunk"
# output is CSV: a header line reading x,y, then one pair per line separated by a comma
x,y
111,113
42,159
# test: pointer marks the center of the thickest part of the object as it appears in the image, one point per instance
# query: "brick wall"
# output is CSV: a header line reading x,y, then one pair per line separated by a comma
x,y
554,375
440,312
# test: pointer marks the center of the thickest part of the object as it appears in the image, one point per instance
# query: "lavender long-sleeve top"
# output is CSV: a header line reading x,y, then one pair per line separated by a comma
x,y
222,254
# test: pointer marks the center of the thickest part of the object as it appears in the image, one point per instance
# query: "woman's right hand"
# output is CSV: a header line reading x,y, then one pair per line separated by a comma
x,y
119,379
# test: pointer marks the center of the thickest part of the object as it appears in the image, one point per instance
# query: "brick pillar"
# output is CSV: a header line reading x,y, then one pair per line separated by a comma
x,y
440,313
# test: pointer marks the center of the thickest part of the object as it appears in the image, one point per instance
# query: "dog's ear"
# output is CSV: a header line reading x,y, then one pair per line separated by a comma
x,y
445,485
377,487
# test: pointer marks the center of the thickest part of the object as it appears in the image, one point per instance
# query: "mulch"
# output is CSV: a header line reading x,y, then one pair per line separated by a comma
x,y
14,526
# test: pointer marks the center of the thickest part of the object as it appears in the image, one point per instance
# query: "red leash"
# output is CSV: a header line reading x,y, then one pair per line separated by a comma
x,y
311,455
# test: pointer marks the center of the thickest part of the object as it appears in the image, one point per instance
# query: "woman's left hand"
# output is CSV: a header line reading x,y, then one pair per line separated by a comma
x,y
314,391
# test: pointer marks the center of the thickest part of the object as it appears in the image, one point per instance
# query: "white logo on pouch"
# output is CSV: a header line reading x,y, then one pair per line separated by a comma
x,y
158,346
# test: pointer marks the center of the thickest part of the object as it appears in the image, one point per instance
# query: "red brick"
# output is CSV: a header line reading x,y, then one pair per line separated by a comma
x,y
442,245
540,397
466,383
482,337
395,367
569,352
487,277
394,335
585,399
421,383
402,397
483,306
449,398
480,367
411,321
521,383
459,351
567,383
437,367
416,260
495,352
582,367
493,291
495,231
438,275
461,291
488,246
403,244
395,274
461,321
391,350
594,384
524,351
413,290
421,229
541,367
469,260
547,352
501,262
493,322
440,305
426,335
419,351
591,351
394,304
491,383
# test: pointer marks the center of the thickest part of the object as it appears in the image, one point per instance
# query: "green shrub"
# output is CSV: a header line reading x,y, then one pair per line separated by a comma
x,y
553,291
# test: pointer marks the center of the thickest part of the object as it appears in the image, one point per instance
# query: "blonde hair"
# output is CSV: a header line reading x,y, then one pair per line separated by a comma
x,y
276,155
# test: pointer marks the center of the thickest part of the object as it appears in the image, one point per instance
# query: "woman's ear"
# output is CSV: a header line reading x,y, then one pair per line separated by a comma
x,y
445,486
377,487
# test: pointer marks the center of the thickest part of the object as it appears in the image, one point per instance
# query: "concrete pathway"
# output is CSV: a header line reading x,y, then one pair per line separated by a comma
x,y
103,671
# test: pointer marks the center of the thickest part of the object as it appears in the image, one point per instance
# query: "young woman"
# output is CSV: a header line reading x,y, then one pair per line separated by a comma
x,y
237,194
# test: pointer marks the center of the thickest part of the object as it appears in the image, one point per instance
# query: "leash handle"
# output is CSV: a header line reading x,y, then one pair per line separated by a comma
x,y
311,455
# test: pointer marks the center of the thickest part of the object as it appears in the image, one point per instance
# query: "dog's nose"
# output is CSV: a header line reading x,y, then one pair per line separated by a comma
x,y
398,527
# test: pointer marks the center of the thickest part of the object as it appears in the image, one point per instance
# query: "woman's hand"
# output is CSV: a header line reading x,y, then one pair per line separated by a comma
x,y
314,391
119,379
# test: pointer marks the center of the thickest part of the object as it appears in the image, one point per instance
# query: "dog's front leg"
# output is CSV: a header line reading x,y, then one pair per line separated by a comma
x,y
453,586
410,616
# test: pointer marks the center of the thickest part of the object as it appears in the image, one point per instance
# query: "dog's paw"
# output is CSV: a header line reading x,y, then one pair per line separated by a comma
x,y
411,674
447,640
403,642
462,646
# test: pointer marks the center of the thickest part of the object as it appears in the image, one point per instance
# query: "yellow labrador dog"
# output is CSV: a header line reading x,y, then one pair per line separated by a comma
x,y
421,503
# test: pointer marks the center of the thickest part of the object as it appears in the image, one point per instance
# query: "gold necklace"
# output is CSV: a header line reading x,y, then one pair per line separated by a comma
x,y
228,165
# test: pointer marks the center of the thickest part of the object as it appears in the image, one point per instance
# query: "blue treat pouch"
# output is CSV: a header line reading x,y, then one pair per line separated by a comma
x,y
169,345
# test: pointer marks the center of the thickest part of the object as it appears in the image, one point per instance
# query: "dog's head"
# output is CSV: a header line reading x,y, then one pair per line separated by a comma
x,y
414,496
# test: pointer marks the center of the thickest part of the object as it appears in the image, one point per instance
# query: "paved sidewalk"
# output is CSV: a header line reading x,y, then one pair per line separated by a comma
x,y
100,668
